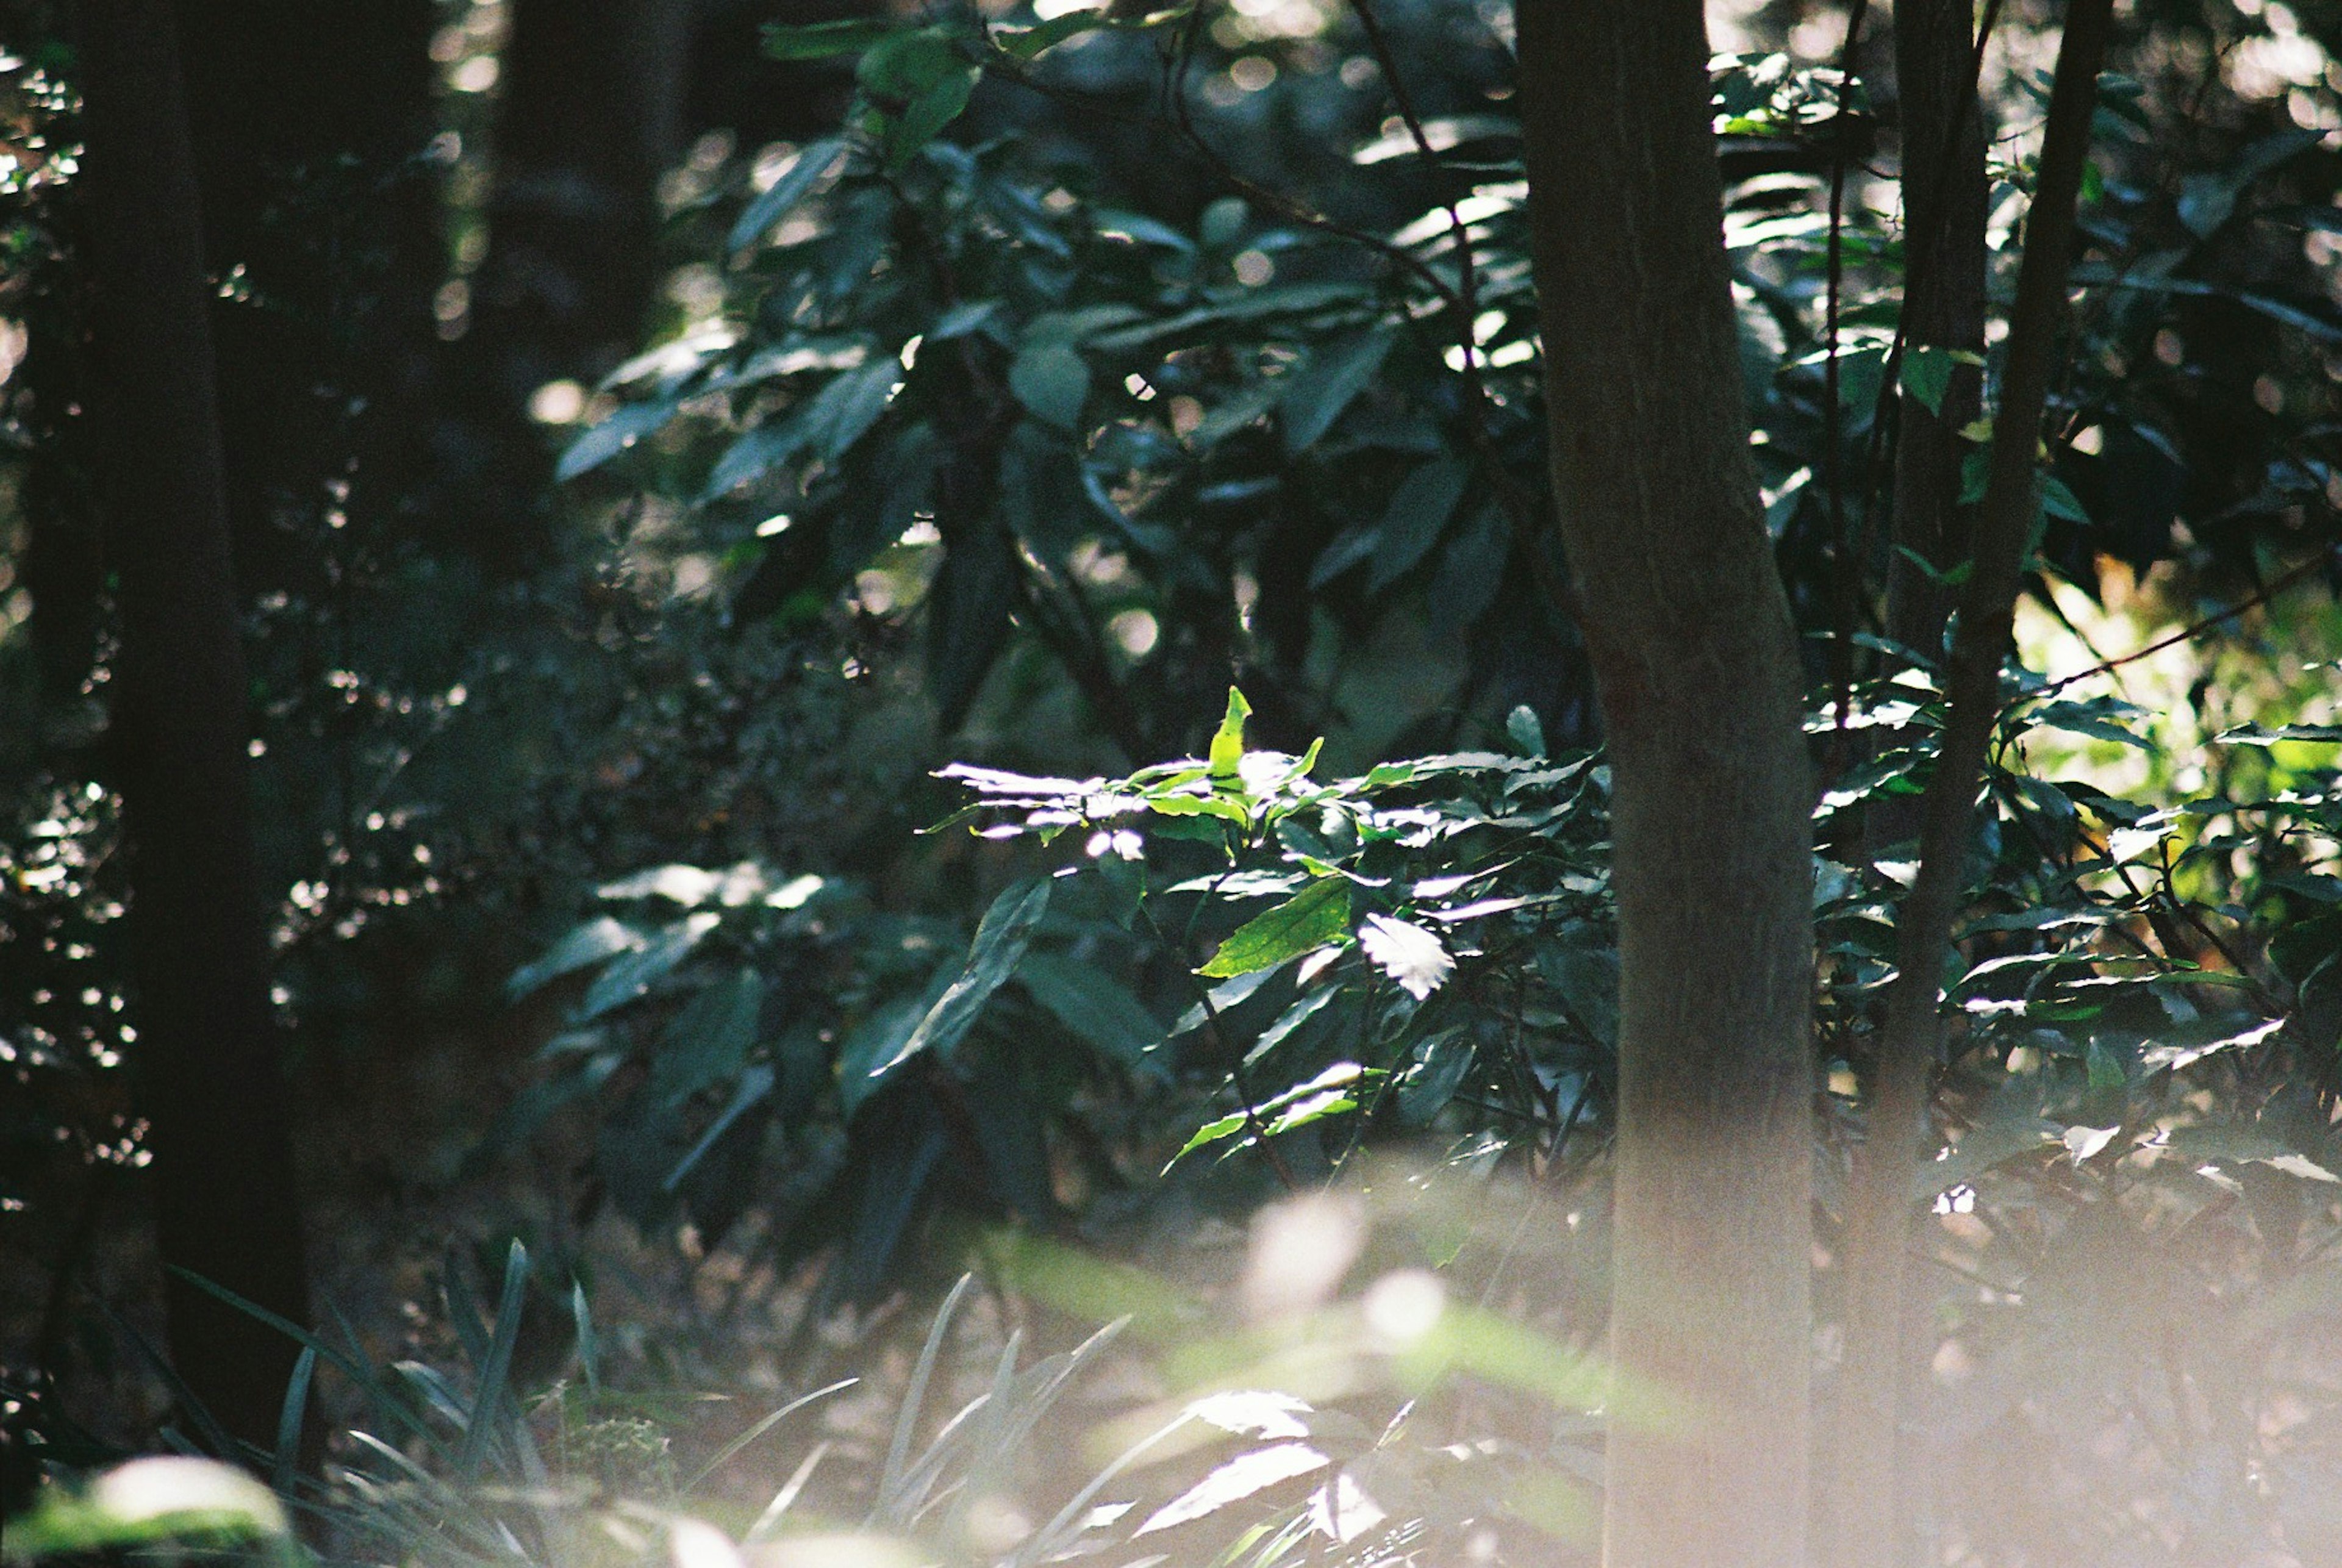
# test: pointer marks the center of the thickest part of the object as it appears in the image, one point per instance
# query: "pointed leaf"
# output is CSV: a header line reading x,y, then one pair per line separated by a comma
x,y
1311,918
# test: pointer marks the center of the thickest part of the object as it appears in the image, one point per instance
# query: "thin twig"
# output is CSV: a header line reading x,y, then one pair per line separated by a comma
x,y
2195,629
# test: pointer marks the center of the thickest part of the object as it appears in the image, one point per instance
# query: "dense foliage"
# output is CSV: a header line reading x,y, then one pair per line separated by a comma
x,y
1097,361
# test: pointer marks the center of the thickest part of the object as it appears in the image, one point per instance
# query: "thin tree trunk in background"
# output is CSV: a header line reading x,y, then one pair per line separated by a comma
x,y
207,1049
1867,1526
1695,658
588,119
1944,192
1943,305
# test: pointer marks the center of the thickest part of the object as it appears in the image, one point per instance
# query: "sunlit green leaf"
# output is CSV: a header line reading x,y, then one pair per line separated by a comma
x,y
1310,919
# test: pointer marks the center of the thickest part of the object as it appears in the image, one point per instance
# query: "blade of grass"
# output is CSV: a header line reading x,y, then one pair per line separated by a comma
x,y
223,1446
289,1420
899,1452
757,1431
589,1349
785,1498
488,1408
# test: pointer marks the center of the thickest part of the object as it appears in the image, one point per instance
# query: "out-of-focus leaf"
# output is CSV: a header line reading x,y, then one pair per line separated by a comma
x,y
755,1084
1315,395
635,973
708,1042
1006,932
1418,514
599,938
602,442
822,40
1407,953
772,205
1311,918
1440,1064
1093,1004
1052,382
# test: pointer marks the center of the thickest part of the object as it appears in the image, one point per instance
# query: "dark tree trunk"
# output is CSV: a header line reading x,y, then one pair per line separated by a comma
x,y
1695,660
589,117
1944,193
207,1057
308,117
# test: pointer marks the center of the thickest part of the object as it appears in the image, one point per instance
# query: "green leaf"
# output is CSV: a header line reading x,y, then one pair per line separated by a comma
x,y
708,1041
936,106
604,441
758,218
1006,932
1028,43
1927,375
1052,380
1227,741
1440,1064
905,64
1418,514
1093,1004
822,40
599,938
635,973
1211,1131
847,407
1317,914
1315,395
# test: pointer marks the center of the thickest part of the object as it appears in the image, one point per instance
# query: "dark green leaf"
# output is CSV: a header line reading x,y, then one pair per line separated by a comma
x,y
604,441
635,973
708,1042
1006,932
1052,382
1418,514
599,938
1315,395
1093,1005
758,218
821,40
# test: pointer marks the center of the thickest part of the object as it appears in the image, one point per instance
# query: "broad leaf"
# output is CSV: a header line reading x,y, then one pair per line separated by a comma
x,y
1001,939
1317,914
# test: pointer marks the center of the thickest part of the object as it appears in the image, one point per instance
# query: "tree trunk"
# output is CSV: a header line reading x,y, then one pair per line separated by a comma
x,y
1697,662
1944,193
207,1050
1869,1524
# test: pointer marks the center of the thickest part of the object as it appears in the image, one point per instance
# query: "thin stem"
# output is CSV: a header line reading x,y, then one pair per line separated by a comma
x,y
1235,1058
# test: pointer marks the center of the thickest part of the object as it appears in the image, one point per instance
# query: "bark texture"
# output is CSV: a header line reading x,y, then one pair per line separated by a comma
x,y
1696,663
1867,1526
206,1044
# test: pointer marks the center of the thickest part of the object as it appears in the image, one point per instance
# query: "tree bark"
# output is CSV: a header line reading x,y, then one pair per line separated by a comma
x,y
207,1049
1866,1525
1695,660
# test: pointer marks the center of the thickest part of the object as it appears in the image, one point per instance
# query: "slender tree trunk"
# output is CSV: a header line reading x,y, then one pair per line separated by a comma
x,y
1867,1526
1696,662
1944,192
206,1043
